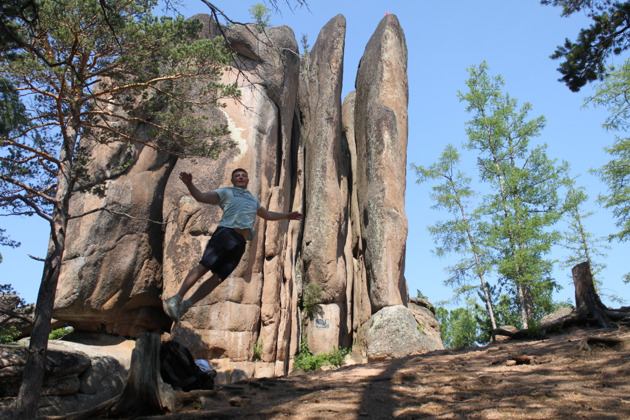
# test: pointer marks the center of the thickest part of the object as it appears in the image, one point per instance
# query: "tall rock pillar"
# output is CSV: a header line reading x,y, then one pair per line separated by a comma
x,y
381,137
326,173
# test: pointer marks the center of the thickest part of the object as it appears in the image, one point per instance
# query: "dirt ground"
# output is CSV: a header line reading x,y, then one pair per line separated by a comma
x,y
582,373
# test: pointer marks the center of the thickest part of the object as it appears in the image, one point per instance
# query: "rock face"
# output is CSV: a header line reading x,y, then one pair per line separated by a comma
x,y
14,317
342,166
393,333
10,303
73,382
380,130
424,313
327,171
326,178
113,284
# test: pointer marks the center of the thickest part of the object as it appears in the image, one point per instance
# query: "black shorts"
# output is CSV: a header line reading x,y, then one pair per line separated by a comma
x,y
223,252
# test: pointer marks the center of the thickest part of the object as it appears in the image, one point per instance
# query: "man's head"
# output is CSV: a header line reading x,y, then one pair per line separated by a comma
x,y
240,178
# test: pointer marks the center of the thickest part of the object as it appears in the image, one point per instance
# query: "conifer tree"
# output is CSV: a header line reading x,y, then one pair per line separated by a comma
x,y
613,94
524,203
585,59
577,239
458,235
100,70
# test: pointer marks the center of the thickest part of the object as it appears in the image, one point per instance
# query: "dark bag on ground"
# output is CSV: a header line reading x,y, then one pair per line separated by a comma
x,y
179,369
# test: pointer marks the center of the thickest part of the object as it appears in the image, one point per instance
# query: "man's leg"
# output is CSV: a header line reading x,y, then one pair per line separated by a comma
x,y
202,291
173,305
193,276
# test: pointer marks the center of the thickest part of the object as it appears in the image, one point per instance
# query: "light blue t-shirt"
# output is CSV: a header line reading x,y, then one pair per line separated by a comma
x,y
239,208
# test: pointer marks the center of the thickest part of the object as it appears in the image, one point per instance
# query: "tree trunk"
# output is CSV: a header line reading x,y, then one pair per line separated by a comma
x,y
521,300
486,293
587,302
35,367
144,393
34,370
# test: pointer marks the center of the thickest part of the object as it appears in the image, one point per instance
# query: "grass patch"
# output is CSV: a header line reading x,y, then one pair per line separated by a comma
x,y
258,350
307,361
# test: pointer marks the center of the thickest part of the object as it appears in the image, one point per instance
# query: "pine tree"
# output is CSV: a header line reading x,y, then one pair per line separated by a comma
x,y
585,60
613,94
89,69
458,235
524,203
581,244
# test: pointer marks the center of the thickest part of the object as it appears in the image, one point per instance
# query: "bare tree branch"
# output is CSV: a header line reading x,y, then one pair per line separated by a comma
x,y
118,213
14,314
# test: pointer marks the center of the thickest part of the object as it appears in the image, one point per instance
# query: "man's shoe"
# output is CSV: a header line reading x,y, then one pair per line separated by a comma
x,y
173,307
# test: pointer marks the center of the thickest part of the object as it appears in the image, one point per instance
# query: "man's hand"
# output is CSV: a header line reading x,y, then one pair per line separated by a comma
x,y
295,216
210,197
272,215
186,178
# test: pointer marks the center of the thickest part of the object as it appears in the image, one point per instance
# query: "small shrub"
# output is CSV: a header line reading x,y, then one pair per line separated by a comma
x,y
8,335
258,350
305,45
312,297
534,329
306,361
59,332
261,14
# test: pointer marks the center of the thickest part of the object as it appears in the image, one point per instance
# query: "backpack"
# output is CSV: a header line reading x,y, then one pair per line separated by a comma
x,y
178,368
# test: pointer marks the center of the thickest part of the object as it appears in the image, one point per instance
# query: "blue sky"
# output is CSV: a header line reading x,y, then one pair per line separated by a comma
x,y
515,38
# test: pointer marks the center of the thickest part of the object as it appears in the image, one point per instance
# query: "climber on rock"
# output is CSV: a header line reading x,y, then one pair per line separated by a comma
x,y
227,244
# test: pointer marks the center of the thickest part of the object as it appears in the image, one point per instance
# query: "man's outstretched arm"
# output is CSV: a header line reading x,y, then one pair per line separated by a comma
x,y
209,197
272,215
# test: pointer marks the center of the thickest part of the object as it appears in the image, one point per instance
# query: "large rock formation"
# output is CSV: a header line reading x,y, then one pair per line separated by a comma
x,y
342,166
326,179
74,380
380,130
112,269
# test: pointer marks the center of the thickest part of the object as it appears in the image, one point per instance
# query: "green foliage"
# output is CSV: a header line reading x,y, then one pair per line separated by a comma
x,y
8,289
534,328
421,295
12,111
311,298
5,241
11,333
10,34
305,45
509,230
580,243
525,202
585,59
59,333
463,327
613,94
306,361
258,349
460,234
81,58
8,334
261,15
572,6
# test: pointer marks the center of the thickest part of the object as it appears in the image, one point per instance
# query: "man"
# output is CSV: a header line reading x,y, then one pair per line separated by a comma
x,y
227,244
